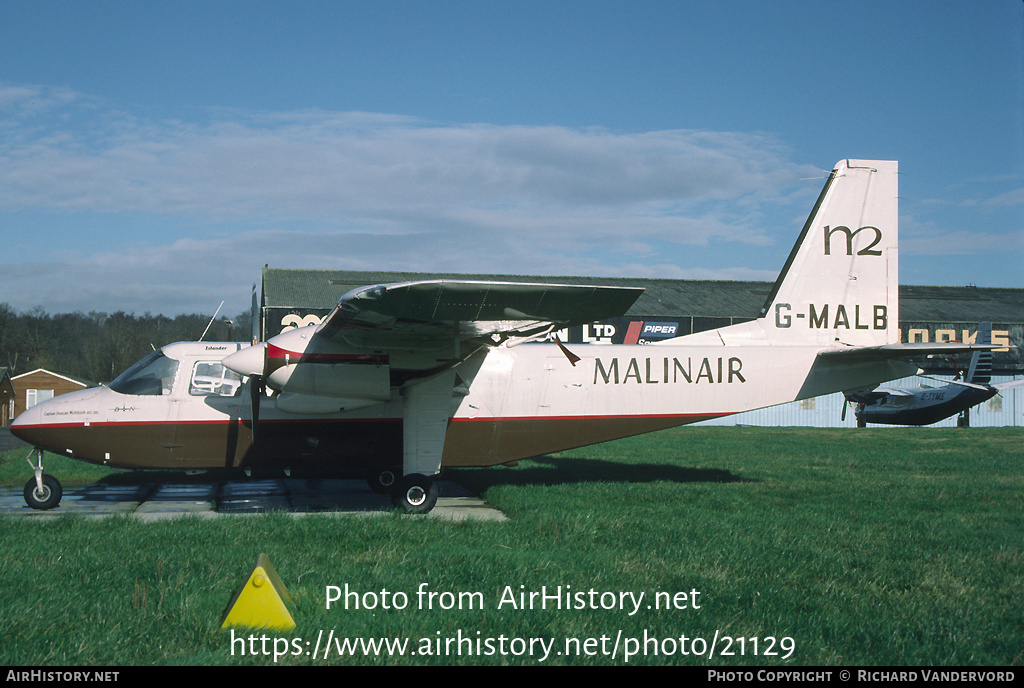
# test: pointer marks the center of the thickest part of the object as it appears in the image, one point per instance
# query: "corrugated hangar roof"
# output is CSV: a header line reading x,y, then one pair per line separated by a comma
x,y
961,304
321,289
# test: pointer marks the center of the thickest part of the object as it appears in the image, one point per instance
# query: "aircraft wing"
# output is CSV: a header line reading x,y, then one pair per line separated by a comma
x,y
896,392
434,313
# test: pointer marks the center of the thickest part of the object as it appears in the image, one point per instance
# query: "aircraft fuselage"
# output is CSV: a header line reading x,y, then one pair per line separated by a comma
x,y
924,407
516,403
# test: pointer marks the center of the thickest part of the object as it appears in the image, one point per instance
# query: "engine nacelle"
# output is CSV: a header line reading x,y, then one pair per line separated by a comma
x,y
369,381
297,363
307,405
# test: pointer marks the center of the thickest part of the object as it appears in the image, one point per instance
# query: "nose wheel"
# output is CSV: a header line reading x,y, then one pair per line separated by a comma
x,y
42,491
43,497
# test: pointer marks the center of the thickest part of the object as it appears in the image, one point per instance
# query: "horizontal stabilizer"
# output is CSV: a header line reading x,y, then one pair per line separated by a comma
x,y
893,351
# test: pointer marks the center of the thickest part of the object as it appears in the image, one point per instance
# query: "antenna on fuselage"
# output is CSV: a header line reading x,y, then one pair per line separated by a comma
x,y
211,321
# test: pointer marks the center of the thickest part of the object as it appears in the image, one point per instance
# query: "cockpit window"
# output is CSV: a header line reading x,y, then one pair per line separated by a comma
x,y
152,376
211,378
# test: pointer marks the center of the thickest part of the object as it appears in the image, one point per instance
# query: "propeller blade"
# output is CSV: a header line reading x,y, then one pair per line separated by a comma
x,y
251,362
256,387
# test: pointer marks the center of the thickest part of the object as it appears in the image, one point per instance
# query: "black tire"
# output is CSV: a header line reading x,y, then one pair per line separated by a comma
x,y
416,494
48,498
383,480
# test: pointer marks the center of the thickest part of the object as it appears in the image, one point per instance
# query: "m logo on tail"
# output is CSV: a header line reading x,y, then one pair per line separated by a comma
x,y
868,250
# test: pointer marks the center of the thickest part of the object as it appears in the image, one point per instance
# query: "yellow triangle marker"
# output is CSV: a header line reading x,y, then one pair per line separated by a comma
x,y
260,603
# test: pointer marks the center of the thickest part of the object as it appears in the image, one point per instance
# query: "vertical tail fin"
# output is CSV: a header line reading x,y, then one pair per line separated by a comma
x,y
841,282
980,371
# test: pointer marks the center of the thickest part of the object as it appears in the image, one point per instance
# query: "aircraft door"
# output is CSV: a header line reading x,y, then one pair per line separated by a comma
x,y
563,388
209,411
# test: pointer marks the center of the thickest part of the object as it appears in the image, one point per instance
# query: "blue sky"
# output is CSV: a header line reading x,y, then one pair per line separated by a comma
x,y
154,156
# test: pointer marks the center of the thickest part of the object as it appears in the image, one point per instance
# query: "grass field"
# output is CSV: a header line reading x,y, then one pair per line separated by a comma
x,y
806,546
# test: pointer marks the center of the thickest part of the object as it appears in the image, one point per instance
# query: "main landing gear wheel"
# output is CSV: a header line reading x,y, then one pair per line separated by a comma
x,y
383,480
45,498
416,494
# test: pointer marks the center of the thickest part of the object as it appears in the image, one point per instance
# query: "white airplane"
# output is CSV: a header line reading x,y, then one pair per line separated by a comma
x,y
403,379
925,405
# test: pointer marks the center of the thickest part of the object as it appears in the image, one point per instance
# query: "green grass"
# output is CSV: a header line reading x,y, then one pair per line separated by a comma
x,y
15,471
866,547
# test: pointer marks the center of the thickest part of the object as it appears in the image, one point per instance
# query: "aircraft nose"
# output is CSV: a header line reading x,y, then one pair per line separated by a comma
x,y
56,424
26,427
248,361
19,424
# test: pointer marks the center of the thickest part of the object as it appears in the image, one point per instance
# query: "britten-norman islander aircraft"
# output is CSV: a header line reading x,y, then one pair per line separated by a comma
x,y
403,379
925,405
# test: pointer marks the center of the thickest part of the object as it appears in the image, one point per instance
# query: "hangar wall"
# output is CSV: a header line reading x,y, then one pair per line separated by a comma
x,y
669,308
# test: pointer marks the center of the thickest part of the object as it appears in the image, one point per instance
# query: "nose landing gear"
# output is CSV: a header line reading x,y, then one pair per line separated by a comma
x,y
42,491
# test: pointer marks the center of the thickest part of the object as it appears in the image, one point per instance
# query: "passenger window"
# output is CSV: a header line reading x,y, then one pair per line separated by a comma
x,y
210,378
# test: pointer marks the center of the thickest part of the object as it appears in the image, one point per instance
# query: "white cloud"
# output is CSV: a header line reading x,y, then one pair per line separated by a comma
x,y
214,198
313,165
1008,199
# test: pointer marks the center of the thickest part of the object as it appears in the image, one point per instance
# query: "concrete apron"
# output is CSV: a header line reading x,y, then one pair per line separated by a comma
x,y
297,496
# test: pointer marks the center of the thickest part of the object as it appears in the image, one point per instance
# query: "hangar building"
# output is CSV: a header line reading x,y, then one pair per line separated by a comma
x,y
667,308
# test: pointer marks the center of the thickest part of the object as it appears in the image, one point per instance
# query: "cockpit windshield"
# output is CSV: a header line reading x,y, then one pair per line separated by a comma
x,y
152,376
